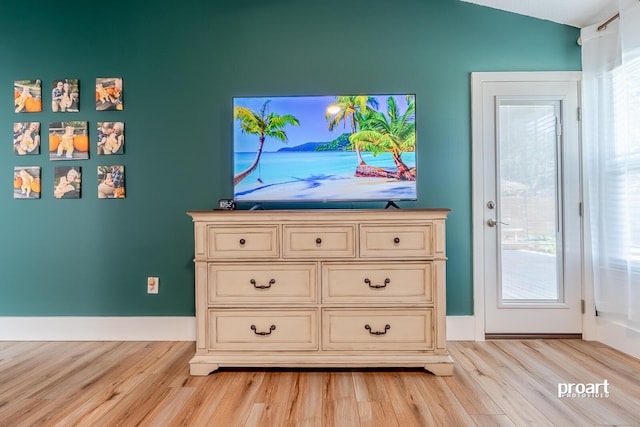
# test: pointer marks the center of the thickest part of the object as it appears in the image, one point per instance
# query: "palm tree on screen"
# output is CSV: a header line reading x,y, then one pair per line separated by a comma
x,y
348,109
395,134
263,124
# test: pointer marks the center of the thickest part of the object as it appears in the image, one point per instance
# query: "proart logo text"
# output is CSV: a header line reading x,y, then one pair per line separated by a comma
x,y
578,390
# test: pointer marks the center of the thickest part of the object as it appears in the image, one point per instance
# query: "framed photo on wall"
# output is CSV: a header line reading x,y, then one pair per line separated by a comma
x,y
27,96
26,138
109,94
65,96
67,182
111,182
26,182
110,138
68,140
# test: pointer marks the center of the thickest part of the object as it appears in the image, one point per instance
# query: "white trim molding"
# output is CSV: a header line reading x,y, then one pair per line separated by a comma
x,y
97,328
459,328
616,334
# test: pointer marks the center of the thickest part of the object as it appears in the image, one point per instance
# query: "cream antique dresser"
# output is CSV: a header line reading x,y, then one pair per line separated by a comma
x,y
320,288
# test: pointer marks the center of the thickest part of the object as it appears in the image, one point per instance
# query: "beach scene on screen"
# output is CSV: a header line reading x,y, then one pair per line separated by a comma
x,y
325,148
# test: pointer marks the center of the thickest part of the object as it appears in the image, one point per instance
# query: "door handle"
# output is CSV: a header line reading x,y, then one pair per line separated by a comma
x,y
492,222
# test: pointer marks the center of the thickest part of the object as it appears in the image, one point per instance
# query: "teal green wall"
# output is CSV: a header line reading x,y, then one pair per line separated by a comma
x,y
181,62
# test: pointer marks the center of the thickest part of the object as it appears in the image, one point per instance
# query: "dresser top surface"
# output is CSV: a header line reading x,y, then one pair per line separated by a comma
x,y
321,214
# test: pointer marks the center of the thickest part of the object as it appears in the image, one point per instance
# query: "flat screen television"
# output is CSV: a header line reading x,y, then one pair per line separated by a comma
x,y
324,148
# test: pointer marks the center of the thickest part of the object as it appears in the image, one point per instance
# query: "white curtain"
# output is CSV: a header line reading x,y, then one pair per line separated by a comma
x,y
611,149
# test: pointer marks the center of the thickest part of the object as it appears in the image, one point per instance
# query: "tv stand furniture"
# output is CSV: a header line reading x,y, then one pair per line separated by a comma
x,y
320,288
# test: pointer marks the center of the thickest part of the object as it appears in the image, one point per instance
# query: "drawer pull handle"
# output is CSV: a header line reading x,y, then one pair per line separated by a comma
x,y
386,328
396,240
271,329
318,241
242,242
255,285
386,282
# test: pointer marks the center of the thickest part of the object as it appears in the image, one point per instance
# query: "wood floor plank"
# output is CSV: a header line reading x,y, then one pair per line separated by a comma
x,y
273,398
78,369
376,414
491,420
522,375
236,404
277,386
470,394
605,359
35,412
229,402
340,412
108,392
406,400
339,399
306,407
571,367
21,374
202,406
443,404
552,369
514,404
268,414
503,383
47,380
369,388
256,416
167,409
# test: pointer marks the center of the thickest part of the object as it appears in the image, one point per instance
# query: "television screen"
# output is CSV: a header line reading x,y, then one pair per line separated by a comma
x,y
324,148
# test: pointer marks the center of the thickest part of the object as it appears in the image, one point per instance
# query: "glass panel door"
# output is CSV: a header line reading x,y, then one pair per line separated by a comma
x,y
527,221
529,204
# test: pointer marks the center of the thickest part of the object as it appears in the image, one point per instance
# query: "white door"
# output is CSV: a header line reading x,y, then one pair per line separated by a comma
x,y
527,213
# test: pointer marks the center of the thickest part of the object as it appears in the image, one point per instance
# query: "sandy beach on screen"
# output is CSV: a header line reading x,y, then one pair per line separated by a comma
x,y
328,188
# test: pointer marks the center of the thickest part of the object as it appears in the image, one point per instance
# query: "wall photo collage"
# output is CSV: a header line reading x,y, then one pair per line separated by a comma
x,y
69,140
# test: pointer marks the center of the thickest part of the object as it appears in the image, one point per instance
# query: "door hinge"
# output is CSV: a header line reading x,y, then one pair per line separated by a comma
x,y
582,306
558,126
580,209
579,114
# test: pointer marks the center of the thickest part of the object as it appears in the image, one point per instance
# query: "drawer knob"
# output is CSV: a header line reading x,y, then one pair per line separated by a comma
x,y
371,285
242,242
255,331
318,241
386,328
396,240
267,286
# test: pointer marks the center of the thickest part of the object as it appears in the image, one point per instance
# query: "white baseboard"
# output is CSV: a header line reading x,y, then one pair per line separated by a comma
x,y
614,334
97,328
459,328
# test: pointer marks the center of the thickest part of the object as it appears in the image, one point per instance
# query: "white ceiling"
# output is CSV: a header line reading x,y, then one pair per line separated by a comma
x,y
577,13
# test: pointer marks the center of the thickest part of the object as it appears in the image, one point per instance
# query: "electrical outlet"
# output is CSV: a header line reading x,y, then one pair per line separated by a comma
x,y
153,283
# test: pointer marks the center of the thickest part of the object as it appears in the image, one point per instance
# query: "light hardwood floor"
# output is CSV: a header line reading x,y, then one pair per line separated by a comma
x,y
501,383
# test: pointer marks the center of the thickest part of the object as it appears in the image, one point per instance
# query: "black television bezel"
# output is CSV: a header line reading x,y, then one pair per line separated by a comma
x,y
258,203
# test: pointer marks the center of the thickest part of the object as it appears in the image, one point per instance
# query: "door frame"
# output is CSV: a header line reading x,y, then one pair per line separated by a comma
x,y
477,165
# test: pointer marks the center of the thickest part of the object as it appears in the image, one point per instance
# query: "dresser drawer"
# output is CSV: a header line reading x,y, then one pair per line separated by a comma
x,y
263,329
261,283
388,283
408,329
322,241
396,241
242,242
